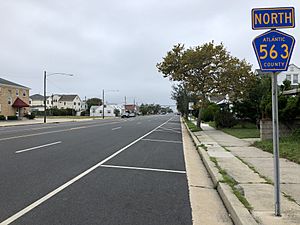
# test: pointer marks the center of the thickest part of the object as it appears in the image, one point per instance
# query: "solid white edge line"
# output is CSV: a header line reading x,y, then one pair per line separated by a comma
x,y
62,187
158,140
37,147
143,168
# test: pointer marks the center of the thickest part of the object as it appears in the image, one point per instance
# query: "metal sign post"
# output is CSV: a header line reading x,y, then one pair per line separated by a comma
x,y
276,144
273,50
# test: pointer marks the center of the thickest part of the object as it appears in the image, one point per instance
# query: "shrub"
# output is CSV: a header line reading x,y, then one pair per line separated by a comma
x,y
2,117
12,118
209,112
30,116
225,119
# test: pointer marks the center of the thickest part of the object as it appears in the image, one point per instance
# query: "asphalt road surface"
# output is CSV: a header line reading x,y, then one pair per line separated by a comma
x,y
116,172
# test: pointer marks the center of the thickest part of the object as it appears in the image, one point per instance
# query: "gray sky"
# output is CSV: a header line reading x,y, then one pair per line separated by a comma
x,y
115,44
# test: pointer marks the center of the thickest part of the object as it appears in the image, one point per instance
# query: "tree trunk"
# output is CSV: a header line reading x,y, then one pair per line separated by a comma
x,y
199,119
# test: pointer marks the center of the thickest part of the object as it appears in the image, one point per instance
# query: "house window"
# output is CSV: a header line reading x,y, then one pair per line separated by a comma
x,y
295,78
100,111
24,93
17,92
74,103
108,111
288,77
78,103
292,69
9,101
64,103
48,102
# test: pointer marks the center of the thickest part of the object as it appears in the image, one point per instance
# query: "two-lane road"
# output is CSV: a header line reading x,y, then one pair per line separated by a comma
x,y
128,171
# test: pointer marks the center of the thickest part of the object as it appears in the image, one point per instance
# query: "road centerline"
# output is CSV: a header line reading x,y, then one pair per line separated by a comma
x,y
38,147
116,128
55,131
70,182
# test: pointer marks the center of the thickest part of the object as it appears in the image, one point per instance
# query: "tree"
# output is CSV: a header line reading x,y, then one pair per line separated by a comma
x,y
117,112
206,70
93,101
182,97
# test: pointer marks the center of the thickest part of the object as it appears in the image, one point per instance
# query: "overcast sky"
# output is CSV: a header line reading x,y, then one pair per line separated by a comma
x,y
115,44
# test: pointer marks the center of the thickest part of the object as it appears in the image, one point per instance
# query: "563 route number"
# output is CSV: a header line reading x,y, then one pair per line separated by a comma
x,y
273,53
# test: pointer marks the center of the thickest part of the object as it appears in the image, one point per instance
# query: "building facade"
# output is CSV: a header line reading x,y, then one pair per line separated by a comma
x,y
14,99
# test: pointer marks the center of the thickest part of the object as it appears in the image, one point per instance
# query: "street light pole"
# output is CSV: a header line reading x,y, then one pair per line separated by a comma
x,y
45,86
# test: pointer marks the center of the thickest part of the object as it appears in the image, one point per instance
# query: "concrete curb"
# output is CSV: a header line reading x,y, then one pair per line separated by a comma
x,y
239,214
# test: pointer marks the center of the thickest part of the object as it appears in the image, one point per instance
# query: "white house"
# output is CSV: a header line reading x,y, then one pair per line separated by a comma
x,y
108,110
70,102
36,102
292,74
56,100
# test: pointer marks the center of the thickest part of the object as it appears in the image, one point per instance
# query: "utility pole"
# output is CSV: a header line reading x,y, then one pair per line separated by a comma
x,y
103,104
45,76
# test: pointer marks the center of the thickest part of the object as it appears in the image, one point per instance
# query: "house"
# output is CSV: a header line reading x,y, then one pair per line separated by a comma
x,y
68,102
36,103
14,99
131,108
292,74
109,110
56,101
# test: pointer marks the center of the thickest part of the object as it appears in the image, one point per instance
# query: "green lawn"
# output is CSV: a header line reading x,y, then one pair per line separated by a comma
x,y
244,130
289,147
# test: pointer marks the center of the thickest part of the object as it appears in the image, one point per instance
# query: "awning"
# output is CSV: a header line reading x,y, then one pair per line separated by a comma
x,y
19,104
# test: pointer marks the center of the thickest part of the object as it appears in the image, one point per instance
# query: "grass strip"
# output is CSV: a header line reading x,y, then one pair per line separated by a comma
x,y
232,183
192,126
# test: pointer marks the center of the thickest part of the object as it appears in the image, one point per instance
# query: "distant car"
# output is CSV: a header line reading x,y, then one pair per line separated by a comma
x,y
125,115
131,115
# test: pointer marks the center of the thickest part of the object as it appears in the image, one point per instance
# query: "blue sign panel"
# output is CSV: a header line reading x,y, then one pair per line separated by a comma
x,y
273,50
271,18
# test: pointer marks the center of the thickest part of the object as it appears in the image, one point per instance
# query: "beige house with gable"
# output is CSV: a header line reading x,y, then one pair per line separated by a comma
x,y
14,99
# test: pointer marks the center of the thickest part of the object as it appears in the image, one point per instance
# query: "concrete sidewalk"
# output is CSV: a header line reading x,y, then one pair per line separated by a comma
x,y
252,169
40,121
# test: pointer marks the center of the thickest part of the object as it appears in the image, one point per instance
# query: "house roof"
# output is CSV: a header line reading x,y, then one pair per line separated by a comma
x,y
19,104
37,97
67,98
7,82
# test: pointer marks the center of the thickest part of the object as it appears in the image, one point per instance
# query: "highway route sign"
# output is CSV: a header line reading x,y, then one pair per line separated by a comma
x,y
273,50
